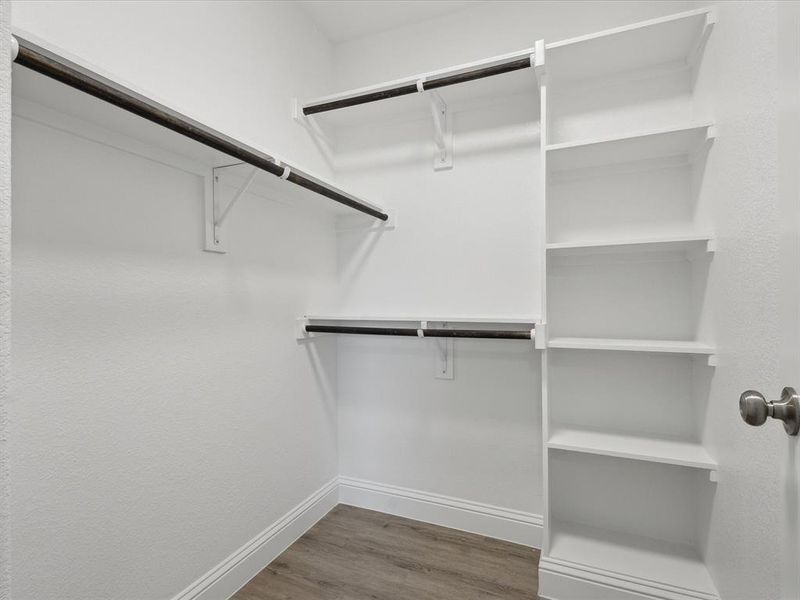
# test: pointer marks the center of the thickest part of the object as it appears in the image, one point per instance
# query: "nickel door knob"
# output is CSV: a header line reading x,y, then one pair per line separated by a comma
x,y
756,409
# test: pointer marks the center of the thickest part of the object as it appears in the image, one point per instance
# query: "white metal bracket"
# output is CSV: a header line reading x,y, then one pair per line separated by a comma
x,y
444,358
215,213
444,354
442,132
300,333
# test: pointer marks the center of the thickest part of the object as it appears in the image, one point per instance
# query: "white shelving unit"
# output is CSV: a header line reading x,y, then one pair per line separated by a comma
x,y
602,539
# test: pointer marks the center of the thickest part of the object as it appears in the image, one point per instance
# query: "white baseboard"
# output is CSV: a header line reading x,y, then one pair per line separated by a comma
x,y
231,574
484,519
226,578
565,579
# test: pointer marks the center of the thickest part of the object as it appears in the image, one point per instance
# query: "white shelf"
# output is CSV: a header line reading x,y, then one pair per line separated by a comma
x,y
41,100
634,147
416,106
673,40
619,445
687,243
490,320
659,565
632,345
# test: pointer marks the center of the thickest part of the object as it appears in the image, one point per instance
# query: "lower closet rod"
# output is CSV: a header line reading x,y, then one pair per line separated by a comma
x,y
494,334
67,72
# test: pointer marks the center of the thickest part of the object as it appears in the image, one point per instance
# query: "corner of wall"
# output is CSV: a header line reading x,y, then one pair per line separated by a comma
x,y
5,279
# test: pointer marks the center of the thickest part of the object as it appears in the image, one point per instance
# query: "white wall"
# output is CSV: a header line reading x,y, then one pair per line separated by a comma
x,y
468,243
5,286
163,414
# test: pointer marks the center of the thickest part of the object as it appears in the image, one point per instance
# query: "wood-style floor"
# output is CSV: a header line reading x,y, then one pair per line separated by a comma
x,y
357,554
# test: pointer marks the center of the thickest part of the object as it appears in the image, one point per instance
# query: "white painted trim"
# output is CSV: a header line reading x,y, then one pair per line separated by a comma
x,y
465,515
227,577
565,579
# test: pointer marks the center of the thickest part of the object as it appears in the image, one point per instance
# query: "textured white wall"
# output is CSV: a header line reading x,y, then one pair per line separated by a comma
x,y
163,414
468,243
750,507
5,284
487,29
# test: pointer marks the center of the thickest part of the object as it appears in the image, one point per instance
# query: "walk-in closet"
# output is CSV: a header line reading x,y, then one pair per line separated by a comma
x,y
390,300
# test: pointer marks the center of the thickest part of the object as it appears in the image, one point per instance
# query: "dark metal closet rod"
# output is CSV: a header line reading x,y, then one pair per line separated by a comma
x,y
430,84
59,68
494,334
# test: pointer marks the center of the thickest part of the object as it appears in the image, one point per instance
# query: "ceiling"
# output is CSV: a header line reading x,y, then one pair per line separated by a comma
x,y
342,20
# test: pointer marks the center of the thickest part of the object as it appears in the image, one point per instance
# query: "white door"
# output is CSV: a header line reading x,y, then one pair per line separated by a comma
x,y
789,193
755,532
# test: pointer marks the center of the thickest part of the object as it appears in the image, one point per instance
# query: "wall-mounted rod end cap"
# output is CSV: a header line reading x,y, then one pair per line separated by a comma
x,y
14,48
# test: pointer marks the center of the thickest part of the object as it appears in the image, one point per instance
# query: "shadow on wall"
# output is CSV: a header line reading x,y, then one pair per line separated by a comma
x,y
502,127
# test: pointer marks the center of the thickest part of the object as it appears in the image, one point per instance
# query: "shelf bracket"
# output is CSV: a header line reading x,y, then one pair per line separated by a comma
x,y
444,355
693,60
699,154
442,131
216,214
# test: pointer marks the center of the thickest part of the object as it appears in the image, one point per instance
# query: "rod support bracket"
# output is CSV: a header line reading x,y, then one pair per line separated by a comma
x,y
300,333
14,48
217,212
444,358
442,131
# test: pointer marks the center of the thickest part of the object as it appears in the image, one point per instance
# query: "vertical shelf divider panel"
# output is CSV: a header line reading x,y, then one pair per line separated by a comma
x,y
540,69
592,546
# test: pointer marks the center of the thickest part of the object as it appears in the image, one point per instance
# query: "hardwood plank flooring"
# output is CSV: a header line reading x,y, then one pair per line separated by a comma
x,y
357,554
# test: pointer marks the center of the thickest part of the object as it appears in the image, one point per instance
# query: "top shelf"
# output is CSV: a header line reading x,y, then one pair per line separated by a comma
x,y
509,74
58,92
675,40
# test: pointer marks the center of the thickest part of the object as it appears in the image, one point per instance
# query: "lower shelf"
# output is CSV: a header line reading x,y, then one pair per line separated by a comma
x,y
638,564
653,449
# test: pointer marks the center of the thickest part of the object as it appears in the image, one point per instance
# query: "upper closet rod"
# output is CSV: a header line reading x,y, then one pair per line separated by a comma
x,y
59,68
421,85
494,334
